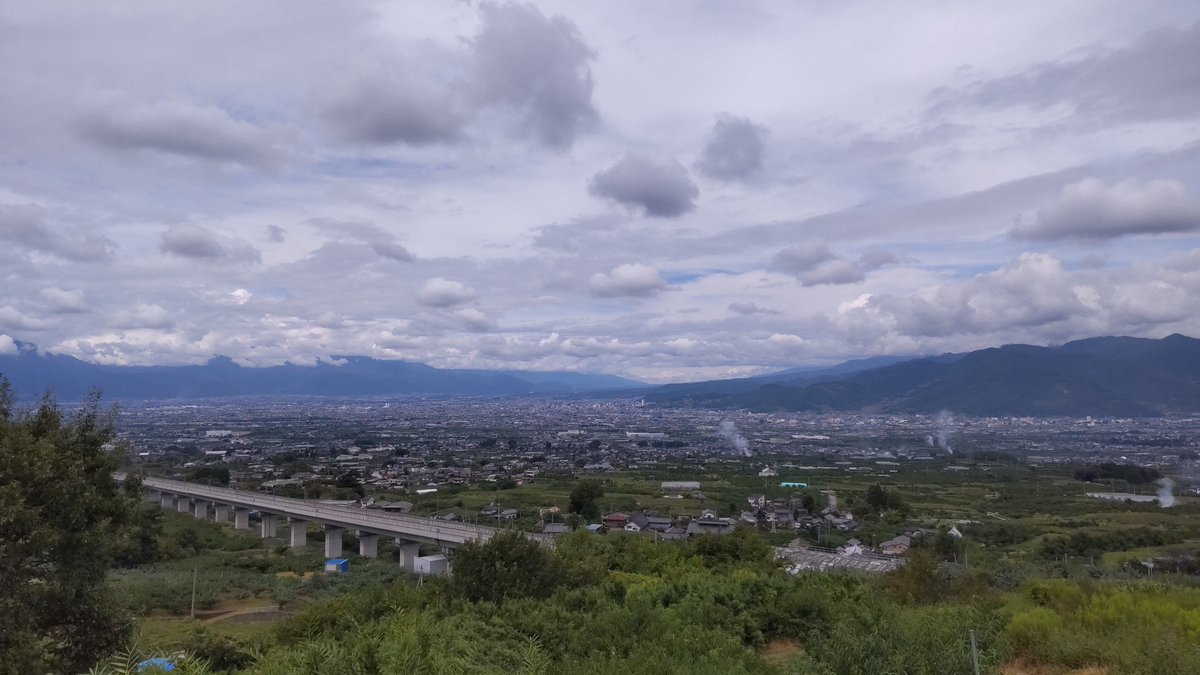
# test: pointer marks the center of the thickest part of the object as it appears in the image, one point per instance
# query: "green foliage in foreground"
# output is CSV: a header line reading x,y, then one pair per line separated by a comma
x,y
623,605
63,519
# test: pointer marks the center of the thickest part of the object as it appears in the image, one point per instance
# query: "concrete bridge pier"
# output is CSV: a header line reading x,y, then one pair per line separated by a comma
x,y
299,533
166,500
183,504
368,545
409,552
221,512
241,519
200,511
333,541
267,527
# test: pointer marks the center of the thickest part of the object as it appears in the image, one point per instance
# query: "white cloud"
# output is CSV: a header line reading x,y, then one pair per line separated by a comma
x,y
629,279
7,346
439,292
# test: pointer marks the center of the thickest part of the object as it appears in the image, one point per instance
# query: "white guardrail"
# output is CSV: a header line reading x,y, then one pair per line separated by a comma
x,y
347,516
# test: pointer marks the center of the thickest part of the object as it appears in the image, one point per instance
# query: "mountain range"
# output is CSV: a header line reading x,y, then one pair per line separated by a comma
x,y
1104,376
32,372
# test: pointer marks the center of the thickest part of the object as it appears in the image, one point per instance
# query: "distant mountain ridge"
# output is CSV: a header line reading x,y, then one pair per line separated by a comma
x,y
71,379
1104,376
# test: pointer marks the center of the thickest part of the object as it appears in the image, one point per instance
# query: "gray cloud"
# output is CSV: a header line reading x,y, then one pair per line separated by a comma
x,y
1154,78
1090,209
25,226
659,186
630,279
143,315
814,264
748,308
734,149
378,239
439,292
381,105
803,258
181,128
193,241
62,301
538,67
12,318
276,234
392,251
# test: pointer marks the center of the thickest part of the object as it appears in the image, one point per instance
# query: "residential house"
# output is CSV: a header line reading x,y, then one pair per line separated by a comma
x,y
615,521
896,546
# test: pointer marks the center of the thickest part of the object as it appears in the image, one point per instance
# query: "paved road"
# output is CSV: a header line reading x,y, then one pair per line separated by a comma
x,y
414,528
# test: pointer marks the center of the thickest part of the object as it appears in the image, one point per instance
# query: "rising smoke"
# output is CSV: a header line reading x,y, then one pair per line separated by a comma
x,y
942,438
730,433
1166,498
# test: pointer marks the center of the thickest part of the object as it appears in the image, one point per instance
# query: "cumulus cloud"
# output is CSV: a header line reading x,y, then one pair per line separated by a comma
x,y
439,292
734,149
1033,290
8,346
660,187
630,279
1090,209
813,263
62,301
183,129
539,68
198,243
25,226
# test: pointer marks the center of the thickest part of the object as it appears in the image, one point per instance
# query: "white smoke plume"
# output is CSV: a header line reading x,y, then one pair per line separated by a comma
x,y
1166,498
942,439
730,433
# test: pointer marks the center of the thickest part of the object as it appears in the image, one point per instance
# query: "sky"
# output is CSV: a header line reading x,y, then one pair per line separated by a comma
x,y
668,191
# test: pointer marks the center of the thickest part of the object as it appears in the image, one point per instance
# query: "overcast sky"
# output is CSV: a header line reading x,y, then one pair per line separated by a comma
x,y
668,191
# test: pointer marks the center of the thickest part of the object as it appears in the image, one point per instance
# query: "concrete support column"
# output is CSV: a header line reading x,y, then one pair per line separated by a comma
x,y
333,541
221,513
183,504
200,511
267,527
368,545
166,501
409,552
241,519
299,533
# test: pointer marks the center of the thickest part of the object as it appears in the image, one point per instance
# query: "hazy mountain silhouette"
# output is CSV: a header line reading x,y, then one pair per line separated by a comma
x,y
70,379
1118,376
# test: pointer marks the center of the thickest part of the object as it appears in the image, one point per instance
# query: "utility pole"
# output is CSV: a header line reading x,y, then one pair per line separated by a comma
x,y
194,592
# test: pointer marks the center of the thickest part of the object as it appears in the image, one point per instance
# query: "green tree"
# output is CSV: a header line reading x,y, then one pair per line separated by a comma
x,y
508,566
585,499
63,518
